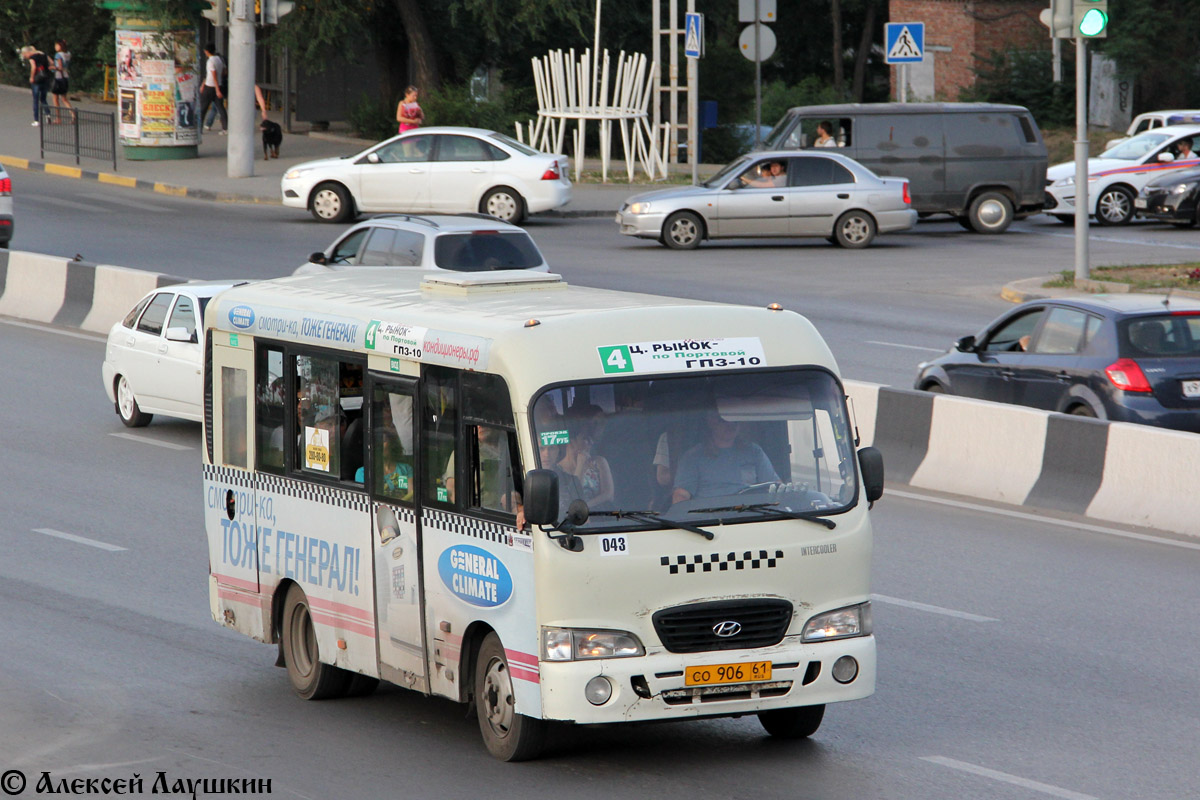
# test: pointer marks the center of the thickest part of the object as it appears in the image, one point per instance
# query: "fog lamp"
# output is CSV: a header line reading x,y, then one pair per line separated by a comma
x,y
598,690
845,669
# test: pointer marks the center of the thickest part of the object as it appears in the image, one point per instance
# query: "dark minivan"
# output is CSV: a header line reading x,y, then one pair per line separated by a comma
x,y
1122,357
983,163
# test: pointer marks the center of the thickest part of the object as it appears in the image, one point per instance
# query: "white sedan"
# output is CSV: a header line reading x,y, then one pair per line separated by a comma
x,y
439,170
153,359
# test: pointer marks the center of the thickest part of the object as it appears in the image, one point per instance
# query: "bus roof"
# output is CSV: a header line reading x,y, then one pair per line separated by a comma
x,y
533,328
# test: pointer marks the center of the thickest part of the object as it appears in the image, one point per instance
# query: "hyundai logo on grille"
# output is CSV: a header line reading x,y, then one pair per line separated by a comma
x,y
727,628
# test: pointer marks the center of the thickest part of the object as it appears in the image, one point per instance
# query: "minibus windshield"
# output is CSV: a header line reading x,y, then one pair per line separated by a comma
x,y
699,450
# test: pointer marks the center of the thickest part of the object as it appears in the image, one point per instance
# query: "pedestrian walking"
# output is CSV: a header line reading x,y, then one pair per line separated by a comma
x,y
62,74
212,91
408,113
40,77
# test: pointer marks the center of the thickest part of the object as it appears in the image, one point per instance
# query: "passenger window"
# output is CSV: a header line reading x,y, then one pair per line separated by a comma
x,y
493,469
439,431
328,417
822,132
406,150
495,152
132,316
346,251
812,172
1062,333
461,148
1093,327
269,413
184,316
392,446
1010,335
407,249
1027,130
152,320
233,417
378,251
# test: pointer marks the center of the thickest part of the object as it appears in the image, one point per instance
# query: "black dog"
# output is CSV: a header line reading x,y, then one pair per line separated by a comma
x,y
272,136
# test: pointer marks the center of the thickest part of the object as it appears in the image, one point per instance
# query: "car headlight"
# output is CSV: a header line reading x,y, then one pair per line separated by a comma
x,y
840,624
639,208
577,644
1067,181
1181,188
292,174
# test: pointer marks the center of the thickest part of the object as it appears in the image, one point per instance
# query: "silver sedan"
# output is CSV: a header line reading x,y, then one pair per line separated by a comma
x,y
780,193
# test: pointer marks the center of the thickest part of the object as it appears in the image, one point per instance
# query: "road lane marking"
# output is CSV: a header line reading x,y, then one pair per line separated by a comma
x,y
121,201
70,537
147,440
1062,523
1113,240
91,337
59,201
949,612
1015,780
910,346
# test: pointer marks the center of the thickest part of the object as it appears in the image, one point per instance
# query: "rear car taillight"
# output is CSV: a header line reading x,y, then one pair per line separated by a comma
x,y
907,196
5,187
1127,376
551,174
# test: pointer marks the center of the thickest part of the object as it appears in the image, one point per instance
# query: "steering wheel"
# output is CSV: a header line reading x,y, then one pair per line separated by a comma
x,y
757,487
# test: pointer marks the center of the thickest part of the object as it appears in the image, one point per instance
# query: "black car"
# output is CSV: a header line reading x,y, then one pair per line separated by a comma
x,y
1171,198
1126,358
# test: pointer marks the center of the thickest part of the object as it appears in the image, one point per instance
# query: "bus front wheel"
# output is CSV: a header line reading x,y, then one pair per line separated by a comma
x,y
509,736
792,723
311,679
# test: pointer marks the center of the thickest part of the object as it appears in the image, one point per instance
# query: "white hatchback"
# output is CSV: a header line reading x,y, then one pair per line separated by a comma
x,y
153,359
436,170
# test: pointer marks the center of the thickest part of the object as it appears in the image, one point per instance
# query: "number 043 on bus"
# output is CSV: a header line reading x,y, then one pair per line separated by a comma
x,y
562,505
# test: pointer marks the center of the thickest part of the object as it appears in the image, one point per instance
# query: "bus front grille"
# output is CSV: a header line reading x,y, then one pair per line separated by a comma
x,y
723,625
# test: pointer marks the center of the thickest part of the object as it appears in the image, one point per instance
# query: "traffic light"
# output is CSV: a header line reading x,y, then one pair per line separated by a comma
x,y
1091,18
1059,18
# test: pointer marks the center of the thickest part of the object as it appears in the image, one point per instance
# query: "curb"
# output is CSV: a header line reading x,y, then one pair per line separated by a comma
x,y
64,171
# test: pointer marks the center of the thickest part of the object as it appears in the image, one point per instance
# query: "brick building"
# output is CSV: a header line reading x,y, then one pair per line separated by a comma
x,y
957,33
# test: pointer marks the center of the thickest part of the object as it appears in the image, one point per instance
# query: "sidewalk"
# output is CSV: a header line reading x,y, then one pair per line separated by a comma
x,y
205,177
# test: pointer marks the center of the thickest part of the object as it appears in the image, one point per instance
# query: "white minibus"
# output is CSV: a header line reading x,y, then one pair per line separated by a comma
x,y
565,505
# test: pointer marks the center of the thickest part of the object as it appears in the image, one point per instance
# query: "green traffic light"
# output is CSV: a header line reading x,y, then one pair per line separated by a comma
x,y
1093,22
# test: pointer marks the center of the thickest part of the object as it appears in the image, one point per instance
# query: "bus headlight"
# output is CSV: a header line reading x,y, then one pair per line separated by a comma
x,y
577,644
840,624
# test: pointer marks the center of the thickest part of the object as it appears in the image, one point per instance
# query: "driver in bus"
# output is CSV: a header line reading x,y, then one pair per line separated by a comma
x,y
723,464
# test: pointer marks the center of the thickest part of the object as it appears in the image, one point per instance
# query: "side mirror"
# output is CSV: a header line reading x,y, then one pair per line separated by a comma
x,y
965,345
1166,157
541,497
318,258
373,158
870,461
179,335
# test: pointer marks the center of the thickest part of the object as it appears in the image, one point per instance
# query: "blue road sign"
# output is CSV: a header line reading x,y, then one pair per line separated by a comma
x,y
693,37
904,42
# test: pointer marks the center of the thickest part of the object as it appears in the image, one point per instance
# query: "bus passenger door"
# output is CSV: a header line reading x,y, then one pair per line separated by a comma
x,y
390,472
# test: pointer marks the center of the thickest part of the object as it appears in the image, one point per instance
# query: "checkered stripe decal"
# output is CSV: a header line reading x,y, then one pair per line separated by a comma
x,y
231,475
303,490
468,526
713,561
403,514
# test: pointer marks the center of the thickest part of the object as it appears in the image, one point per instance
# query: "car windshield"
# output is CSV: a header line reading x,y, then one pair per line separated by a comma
x,y
1136,148
728,171
1174,335
777,138
699,450
514,144
478,251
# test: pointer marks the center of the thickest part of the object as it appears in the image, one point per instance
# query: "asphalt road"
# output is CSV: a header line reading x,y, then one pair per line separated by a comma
x,y
1019,658
882,309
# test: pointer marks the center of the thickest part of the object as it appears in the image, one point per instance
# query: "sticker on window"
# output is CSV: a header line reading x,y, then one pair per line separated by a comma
x,y
551,438
316,449
682,355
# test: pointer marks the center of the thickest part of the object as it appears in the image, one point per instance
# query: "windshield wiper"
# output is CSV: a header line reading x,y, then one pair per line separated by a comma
x,y
653,517
770,508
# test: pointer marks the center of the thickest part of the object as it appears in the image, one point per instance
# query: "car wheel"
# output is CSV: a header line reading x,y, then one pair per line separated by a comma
x,y
1082,411
1114,206
504,204
331,202
1065,219
990,212
310,678
854,230
683,230
127,406
509,736
792,723
934,388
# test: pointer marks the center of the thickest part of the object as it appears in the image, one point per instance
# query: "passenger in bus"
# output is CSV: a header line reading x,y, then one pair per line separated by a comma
x,y
591,471
723,465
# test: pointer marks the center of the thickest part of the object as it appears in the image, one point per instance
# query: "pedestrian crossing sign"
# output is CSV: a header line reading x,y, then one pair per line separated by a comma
x,y
693,36
904,42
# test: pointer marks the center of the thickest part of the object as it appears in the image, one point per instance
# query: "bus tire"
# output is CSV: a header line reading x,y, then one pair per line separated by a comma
x,y
361,685
127,406
509,736
310,678
792,723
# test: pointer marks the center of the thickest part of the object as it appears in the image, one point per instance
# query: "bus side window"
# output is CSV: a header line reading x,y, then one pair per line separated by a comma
x,y
270,409
392,446
233,417
319,420
439,433
493,469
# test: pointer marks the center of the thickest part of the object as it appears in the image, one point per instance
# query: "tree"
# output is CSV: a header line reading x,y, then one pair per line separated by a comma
x,y
1154,42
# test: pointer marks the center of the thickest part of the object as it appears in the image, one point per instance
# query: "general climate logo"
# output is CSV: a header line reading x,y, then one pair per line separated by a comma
x,y
241,317
475,576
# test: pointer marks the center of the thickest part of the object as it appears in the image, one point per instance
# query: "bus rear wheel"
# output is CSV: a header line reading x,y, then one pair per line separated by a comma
x,y
311,679
509,736
792,723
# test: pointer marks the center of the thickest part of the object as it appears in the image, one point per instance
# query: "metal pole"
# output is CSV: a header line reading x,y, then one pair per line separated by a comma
x,y
904,83
1081,159
240,102
673,40
1056,54
656,57
693,117
757,76
75,131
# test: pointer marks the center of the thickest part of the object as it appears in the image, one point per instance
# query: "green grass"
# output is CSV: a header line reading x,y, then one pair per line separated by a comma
x,y
1141,277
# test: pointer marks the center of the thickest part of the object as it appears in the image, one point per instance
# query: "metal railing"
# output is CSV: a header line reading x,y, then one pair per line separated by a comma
x,y
75,132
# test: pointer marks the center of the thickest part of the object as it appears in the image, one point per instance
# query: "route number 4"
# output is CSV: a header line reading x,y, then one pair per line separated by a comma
x,y
616,359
